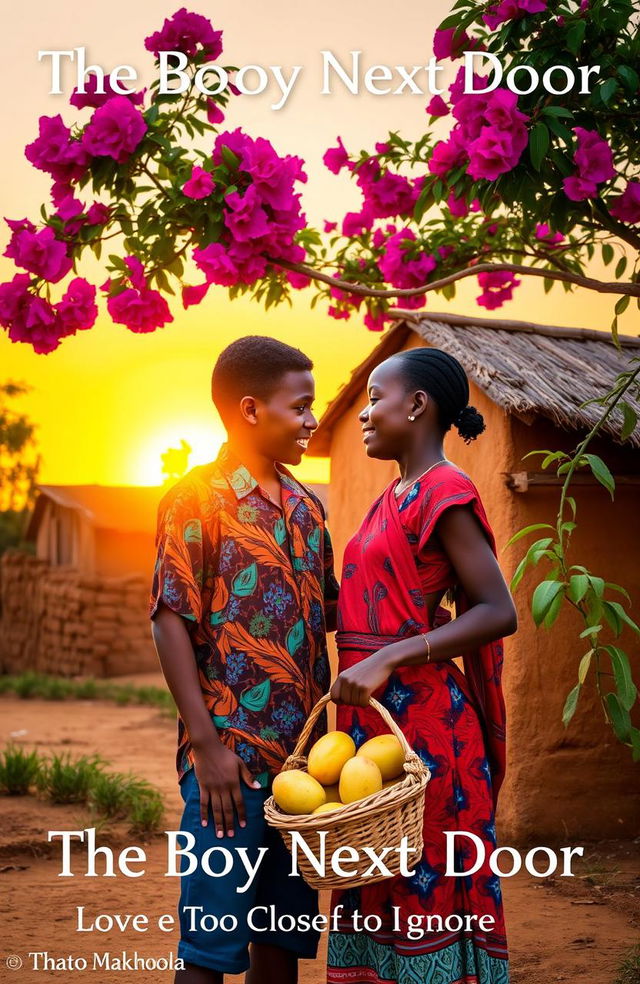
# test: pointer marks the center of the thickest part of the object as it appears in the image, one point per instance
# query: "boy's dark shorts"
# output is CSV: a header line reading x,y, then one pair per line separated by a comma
x,y
227,952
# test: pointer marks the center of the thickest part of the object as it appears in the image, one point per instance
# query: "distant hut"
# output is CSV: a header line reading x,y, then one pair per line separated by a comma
x,y
530,382
101,529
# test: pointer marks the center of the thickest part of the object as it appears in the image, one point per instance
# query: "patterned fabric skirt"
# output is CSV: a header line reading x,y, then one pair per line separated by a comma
x,y
431,927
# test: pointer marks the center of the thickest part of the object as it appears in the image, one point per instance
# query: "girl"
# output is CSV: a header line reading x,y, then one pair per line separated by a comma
x,y
426,535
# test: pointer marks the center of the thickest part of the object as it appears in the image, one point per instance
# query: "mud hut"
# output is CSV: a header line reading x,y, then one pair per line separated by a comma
x,y
530,383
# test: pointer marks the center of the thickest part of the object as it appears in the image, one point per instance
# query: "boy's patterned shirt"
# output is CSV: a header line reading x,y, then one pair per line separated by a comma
x,y
256,587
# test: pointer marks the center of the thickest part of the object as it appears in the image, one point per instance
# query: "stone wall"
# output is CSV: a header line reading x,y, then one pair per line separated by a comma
x,y
59,621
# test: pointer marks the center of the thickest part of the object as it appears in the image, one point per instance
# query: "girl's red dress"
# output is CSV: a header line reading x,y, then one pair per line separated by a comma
x,y
455,721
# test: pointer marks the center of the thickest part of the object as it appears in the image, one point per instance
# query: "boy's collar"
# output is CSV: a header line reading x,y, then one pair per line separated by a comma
x,y
242,481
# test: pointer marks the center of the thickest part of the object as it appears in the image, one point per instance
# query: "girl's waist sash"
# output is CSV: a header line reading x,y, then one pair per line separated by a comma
x,y
365,642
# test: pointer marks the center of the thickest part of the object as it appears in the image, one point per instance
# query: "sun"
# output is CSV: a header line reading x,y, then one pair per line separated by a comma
x,y
203,439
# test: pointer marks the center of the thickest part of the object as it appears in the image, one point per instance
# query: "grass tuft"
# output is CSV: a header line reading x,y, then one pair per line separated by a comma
x,y
628,970
18,770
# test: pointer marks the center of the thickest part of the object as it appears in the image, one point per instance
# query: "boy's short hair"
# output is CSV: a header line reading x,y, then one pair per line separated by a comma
x,y
253,366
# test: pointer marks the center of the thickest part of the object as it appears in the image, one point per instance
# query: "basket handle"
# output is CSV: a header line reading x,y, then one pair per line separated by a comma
x,y
317,711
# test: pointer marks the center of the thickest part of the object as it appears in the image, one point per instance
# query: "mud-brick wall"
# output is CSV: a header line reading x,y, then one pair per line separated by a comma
x,y
56,620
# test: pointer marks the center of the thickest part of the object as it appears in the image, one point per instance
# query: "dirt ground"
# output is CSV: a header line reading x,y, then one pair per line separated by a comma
x,y
559,929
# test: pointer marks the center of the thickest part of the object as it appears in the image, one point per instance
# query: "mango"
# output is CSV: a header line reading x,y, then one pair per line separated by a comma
x,y
325,807
386,751
332,793
328,755
295,792
360,777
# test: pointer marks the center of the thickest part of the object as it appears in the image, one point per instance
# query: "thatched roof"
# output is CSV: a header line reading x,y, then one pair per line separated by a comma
x,y
528,369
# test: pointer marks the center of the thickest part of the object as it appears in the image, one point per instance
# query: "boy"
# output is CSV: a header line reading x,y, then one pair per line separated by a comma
x,y
243,594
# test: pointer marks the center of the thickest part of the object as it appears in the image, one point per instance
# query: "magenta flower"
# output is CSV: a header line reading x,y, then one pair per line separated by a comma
x,y
98,214
546,236
397,266
246,219
77,310
115,130
512,10
457,206
446,155
199,185
298,280
186,32
385,194
139,310
577,188
330,226
374,322
450,42
437,107
214,113
495,152
356,223
193,295
626,207
91,96
55,152
593,156
336,157
27,317
216,265
497,288
382,147
40,253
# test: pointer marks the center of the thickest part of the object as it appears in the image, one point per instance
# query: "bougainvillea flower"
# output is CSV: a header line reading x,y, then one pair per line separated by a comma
x,y
91,96
298,280
512,10
193,295
139,310
77,310
450,42
115,130
336,157
55,152
98,214
437,107
186,32
495,152
497,287
577,188
626,207
593,156
214,113
546,236
27,317
216,265
199,185
40,253
246,219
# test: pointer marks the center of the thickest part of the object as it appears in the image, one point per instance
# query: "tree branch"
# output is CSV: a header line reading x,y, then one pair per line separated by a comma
x,y
602,287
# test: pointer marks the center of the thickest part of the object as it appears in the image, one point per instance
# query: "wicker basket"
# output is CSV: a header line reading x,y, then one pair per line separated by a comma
x,y
377,821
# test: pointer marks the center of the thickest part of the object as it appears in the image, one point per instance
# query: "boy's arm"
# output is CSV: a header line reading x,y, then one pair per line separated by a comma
x,y
219,771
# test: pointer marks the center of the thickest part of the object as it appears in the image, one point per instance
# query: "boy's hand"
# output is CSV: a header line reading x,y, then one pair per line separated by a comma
x,y
219,772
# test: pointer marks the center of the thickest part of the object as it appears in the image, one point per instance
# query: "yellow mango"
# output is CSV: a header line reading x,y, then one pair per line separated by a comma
x,y
328,755
295,792
325,807
387,752
332,793
360,777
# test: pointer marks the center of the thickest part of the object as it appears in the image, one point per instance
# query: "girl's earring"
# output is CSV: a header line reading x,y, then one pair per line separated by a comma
x,y
411,416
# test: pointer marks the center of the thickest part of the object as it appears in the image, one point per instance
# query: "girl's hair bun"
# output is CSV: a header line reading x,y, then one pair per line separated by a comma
x,y
469,423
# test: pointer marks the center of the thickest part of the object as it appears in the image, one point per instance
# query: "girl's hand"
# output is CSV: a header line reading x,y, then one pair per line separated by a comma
x,y
355,685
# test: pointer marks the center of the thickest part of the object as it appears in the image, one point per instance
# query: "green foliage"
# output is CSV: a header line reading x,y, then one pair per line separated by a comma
x,y
628,970
587,593
19,465
66,780
31,684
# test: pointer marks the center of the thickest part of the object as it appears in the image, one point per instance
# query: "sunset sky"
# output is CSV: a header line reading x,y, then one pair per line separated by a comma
x,y
108,402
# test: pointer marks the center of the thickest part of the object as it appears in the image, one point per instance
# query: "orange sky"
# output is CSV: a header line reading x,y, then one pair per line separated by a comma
x,y
108,402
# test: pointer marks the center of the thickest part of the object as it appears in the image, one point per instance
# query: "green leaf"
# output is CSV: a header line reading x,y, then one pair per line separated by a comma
x,y
256,698
630,419
627,690
543,598
557,111
295,637
601,472
592,630
538,144
528,529
585,663
622,304
607,90
625,617
607,253
621,266
570,705
578,587
575,36
630,77
597,583
554,611
613,618
245,583
229,158
620,720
